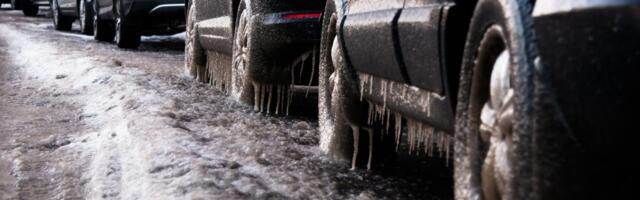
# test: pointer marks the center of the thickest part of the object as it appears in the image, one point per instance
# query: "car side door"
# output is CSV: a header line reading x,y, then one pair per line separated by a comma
x,y
420,42
368,35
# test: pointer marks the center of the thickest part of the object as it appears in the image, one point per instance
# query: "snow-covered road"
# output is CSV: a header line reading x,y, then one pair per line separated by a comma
x,y
81,119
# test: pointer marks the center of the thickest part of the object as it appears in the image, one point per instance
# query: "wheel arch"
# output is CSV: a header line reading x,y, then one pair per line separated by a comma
x,y
456,27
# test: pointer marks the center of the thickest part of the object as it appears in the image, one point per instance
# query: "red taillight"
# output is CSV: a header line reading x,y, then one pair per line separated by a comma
x,y
301,16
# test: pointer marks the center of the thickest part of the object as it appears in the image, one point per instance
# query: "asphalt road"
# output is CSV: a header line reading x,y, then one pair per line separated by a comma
x,y
81,119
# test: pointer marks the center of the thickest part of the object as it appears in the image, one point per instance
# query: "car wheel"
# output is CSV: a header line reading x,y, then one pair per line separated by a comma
x,y
339,104
195,56
241,84
126,35
493,125
334,138
30,9
60,22
102,29
85,18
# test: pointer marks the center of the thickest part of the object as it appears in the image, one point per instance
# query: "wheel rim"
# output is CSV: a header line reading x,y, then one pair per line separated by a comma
x,y
493,109
83,15
240,56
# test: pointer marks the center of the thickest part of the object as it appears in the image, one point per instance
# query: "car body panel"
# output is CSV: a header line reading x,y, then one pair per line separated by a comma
x,y
419,41
369,42
277,37
402,42
369,25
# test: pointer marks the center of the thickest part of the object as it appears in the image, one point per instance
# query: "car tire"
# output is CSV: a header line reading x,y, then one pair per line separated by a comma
x,y
241,84
340,109
334,131
60,22
195,57
493,119
127,36
30,10
85,18
103,30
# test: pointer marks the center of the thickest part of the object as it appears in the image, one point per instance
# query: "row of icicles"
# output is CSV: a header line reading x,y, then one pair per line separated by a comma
x,y
263,93
419,134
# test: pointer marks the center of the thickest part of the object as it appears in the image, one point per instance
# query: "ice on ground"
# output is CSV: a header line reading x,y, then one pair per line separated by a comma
x,y
156,135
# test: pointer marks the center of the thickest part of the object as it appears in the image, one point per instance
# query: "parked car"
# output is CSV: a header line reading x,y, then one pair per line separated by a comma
x,y
65,12
532,97
252,48
126,20
29,7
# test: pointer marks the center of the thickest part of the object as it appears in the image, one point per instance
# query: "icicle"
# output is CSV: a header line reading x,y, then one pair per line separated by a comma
x,y
302,61
289,98
278,95
428,131
363,82
370,114
283,91
356,141
442,142
370,149
313,71
398,129
256,96
263,89
420,137
384,85
410,134
388,119
447,146
370,84
379,113
270,91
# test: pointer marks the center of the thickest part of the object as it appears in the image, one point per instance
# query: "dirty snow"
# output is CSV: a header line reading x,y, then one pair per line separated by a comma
x,y
144,131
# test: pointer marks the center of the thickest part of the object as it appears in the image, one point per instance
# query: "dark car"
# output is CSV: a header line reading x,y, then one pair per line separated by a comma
x,y
532,97
28,7
252,48
126,20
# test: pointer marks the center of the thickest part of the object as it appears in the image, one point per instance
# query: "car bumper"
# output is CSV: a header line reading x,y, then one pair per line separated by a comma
x,y
157,16
280,40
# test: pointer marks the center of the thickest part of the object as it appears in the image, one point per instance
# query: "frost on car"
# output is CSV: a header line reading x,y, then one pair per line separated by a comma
x,y
259,51
511,90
